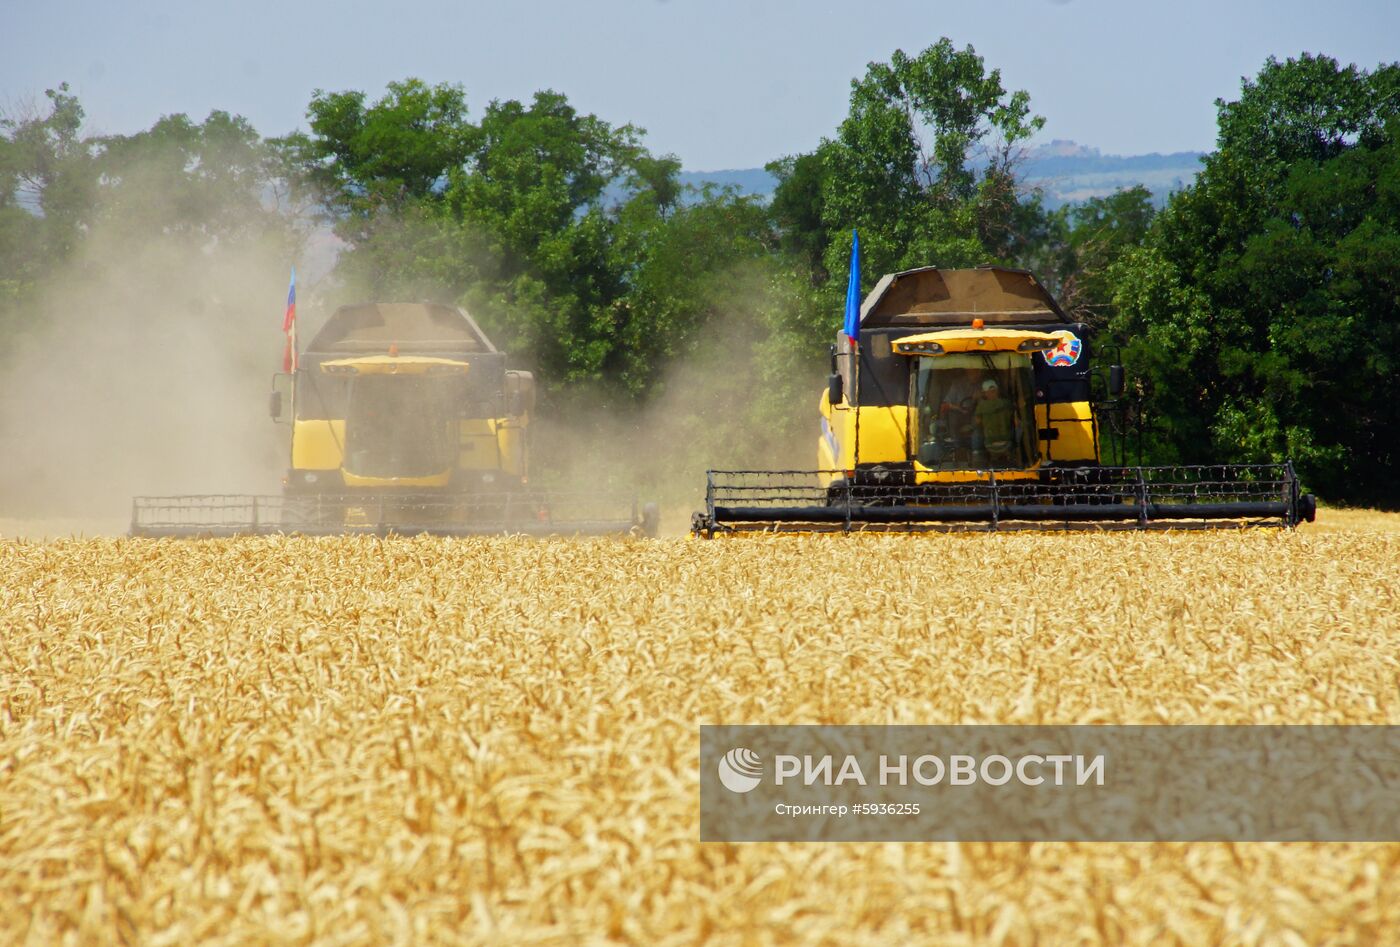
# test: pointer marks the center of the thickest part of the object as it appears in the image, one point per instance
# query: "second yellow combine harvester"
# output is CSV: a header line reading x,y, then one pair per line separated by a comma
x,y
970,401
404,419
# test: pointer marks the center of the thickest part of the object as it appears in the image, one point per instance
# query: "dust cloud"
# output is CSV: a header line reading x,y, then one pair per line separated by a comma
x,y
145,365
143,368
731,400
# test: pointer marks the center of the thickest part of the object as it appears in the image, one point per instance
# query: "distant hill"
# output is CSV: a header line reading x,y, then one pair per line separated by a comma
x,y
1065,171
747,180
1068,172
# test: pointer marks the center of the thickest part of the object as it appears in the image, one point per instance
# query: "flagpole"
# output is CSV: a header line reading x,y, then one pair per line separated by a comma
x,y
296,364
852,330
855,375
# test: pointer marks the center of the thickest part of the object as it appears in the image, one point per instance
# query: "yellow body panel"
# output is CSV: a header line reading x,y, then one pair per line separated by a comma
x,y
436,480
493,444
923,475
478,445
883,439
318,445
883,435
977,340
1074,420
395,365
484,444
510,439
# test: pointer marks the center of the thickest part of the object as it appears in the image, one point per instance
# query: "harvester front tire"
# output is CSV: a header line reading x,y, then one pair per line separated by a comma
x,y
651,520
297,513
301,513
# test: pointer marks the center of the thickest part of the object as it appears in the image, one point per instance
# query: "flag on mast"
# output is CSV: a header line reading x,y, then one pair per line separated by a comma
x,y
852,327
289,327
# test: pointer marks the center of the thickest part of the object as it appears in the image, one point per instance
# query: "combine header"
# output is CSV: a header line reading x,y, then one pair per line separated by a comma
x,y
968,403
537,514
404,419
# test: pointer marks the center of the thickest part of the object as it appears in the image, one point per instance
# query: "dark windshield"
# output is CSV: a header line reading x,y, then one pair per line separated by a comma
x,y
400,426
975,412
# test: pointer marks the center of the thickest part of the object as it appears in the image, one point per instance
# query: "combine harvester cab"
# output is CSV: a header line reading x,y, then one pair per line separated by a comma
x,y
404,419
969,404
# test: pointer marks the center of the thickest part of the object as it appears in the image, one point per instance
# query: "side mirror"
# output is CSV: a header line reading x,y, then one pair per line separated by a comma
x,y
520,393
834,391
280,394
1115,380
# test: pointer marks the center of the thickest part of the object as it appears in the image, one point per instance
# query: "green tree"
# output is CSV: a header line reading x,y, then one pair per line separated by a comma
x,y
402,145
191,180
1263,311
1084,241
200,184
923,166
798,210
48,187
686,276
534,188
575,246
378,170
536,168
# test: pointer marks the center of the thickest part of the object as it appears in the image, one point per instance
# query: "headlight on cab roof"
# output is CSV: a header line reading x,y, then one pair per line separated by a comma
x,y
918,348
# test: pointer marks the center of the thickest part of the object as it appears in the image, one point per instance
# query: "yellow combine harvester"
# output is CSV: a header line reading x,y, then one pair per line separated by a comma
x,y
404,418
970,400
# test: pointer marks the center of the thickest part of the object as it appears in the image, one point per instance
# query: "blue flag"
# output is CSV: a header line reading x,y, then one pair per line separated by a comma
x,y
852,327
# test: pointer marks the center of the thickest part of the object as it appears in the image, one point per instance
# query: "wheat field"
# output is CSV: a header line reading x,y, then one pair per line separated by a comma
x,y
352,740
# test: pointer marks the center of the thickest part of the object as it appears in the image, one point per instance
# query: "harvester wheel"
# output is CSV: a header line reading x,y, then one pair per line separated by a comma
x,y
701,527
297,513
305,512
651,520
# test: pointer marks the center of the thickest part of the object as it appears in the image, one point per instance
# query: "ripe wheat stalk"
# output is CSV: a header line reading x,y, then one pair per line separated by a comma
x,y
351,740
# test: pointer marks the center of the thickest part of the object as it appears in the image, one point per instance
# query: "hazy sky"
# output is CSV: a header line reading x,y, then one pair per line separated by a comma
x,y
722,84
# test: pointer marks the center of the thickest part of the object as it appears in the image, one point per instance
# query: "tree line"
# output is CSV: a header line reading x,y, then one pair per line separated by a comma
x,y
1257,312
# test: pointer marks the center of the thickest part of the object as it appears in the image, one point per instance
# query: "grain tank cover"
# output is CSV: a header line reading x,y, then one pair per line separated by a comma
x,y
420,328
930,296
